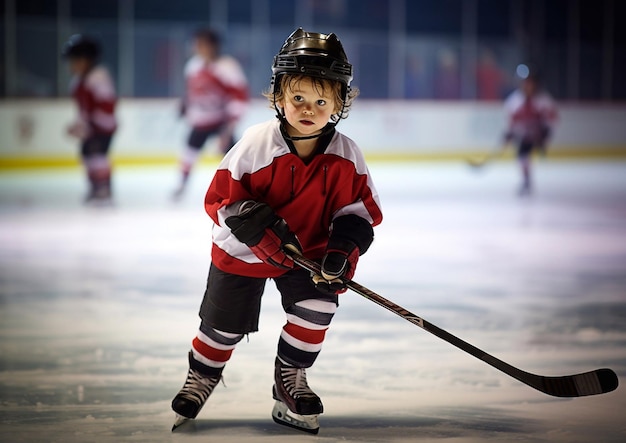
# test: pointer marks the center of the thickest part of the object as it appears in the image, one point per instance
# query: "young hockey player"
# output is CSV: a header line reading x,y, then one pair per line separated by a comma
x,y
216,96
94,92
531,114
291,183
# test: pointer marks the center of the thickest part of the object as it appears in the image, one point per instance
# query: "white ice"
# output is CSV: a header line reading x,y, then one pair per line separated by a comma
x,y
98,307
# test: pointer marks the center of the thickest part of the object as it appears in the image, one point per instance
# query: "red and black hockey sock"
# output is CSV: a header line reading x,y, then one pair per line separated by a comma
x,y
99,175
302,336
212,349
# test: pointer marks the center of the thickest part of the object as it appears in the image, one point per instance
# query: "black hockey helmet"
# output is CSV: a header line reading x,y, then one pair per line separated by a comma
x,y
314,54
82,46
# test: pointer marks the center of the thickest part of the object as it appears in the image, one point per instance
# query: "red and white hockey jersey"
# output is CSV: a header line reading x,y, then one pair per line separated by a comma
x,y
309,196
216,92
530,118
96,98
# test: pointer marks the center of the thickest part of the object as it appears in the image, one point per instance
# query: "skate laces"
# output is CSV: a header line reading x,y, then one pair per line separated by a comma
x,y
294,380
198,387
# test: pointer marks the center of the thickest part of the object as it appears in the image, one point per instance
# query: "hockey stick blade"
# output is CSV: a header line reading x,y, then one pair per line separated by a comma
x,y
478,164
595,382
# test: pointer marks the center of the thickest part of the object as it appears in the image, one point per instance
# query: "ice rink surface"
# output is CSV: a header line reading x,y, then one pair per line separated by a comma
x,y
98,307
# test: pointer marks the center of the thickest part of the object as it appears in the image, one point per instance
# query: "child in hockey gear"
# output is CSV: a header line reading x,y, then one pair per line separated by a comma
x,y
216,96
293,183
94,92
532,115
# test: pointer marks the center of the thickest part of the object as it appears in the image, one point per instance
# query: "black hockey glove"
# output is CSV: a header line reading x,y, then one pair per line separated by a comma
x,y
351,236
339,263
264,232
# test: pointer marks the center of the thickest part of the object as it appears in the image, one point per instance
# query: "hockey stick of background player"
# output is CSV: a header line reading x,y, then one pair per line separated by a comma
x,y
479,163
594,382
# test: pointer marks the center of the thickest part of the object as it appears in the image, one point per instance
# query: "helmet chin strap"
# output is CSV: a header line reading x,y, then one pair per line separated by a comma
x,y
328,128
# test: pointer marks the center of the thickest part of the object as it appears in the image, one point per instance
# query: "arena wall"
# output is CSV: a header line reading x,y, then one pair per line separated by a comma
x,y
32,132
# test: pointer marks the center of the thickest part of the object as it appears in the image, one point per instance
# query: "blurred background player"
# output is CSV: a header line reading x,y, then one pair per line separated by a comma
x,y
94,92
532,115
216,96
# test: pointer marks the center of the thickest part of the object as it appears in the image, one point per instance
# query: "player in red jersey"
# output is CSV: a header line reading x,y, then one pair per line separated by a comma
x,y
215,99
291,182
93,91
532,115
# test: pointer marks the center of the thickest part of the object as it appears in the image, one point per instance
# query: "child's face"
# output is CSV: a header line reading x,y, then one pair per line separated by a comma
x,y
204,49
79,65
529,87
307,107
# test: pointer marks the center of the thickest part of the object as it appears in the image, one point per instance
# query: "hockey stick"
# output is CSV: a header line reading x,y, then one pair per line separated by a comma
x,y
595,382
479,163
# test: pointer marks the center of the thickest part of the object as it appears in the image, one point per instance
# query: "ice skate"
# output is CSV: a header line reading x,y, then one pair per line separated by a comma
x,y
296,404
193,395
525,190
178,193
99,197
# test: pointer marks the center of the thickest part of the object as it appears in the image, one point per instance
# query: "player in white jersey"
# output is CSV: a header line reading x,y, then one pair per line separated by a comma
x,y
216,97
532,114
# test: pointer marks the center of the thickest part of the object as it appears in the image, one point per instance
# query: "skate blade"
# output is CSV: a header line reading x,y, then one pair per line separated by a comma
x,y
283,416
179,420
